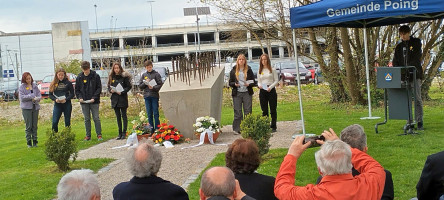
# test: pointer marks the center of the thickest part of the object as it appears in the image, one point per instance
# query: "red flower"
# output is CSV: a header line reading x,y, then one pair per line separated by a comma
x,y
163,124
176,137
157,136
172,132
161,130
167,137
158,126
175,129
181,135
171,126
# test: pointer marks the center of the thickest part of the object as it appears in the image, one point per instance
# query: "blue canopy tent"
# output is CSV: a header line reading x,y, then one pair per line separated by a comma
x,y
362,14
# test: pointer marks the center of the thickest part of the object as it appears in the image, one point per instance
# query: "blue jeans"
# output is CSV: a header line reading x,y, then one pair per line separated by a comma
x,y
59,108
152,110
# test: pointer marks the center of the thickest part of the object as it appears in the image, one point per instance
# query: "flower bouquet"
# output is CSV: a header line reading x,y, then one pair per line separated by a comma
x,y
141,125
207,124
166,132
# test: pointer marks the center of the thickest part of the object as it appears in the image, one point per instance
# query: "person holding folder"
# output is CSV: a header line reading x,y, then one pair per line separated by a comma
x,y
119,85
242,82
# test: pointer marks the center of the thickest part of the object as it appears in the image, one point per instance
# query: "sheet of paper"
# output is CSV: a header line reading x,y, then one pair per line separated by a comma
x,y
242,83
264,86
152,83
119,88
250,81
168,144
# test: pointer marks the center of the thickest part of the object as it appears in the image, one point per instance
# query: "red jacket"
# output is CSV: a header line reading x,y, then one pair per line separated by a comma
x,y
368,185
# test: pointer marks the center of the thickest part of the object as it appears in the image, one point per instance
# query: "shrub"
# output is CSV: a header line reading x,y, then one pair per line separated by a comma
x,y
60,147
257,128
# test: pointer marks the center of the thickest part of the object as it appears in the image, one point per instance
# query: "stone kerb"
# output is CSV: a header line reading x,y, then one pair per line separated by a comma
x,y
183,103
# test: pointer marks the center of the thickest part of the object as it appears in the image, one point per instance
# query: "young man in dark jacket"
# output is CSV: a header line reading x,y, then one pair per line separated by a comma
x,y
408,53
88,89
150,83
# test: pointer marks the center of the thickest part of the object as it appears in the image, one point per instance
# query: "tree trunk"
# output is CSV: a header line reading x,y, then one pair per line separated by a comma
x,y
351,78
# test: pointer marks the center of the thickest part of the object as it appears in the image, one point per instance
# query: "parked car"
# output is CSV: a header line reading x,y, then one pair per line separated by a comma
x,y
9,90
316,73
137,73
104,79
43,85
287,73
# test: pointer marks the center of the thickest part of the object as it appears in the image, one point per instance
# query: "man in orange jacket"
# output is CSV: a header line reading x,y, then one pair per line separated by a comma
x,y
334,160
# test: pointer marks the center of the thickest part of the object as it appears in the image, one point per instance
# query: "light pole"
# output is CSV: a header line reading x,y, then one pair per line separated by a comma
x,y
100,40
152,20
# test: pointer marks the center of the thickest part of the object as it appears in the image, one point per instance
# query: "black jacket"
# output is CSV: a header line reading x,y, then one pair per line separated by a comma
x,y
257,185
414,53
120,101
431,183
152,187
233,80
147,92
88,87
63,88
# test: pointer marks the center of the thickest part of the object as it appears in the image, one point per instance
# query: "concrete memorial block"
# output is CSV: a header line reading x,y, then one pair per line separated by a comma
x,y
183,102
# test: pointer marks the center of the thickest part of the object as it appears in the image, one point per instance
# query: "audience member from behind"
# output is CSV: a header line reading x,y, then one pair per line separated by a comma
x,y
431,183
354,136
79,185
243,159
29,96
335,160
61,92
218,183
144,163
119,85
88,89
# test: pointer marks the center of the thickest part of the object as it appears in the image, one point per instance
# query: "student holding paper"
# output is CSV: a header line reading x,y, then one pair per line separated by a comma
x,y
29,96
119,85
150,83
267,80
61,92
242,82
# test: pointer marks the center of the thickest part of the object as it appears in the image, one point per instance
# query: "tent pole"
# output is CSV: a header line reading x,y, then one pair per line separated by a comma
x,y
368,77
298,80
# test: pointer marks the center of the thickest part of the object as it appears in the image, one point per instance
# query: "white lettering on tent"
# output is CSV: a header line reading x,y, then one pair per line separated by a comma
x,y
413,4
372,7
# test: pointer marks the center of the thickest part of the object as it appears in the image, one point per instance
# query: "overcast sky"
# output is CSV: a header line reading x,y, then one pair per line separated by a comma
x,y
37,15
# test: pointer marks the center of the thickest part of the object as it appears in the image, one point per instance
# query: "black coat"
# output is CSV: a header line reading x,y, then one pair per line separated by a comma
x,y
120,101
257,185
63,88
414,53
233,80
88,87
431,183
147,92
152,187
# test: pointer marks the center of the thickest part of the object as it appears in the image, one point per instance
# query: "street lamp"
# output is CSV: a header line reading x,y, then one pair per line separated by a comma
x,y
151,6
197,11
100,40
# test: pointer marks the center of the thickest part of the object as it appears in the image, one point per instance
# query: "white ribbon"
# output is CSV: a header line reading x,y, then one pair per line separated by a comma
x,y
207,132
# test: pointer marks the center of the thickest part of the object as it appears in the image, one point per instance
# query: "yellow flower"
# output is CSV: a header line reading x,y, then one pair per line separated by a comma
x,y
160,139
27,88
156,141
84,81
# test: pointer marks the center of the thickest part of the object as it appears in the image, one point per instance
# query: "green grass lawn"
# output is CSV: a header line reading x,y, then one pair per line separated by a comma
x,y
26,174
404,155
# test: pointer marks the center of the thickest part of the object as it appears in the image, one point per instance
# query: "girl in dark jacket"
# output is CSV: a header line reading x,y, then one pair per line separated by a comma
x,y
61,92
242,82
119,85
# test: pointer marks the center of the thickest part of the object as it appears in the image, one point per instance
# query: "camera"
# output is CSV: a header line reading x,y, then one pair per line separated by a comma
x,y
313,140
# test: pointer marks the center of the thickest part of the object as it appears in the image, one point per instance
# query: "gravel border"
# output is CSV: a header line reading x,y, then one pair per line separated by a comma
x,y
180,166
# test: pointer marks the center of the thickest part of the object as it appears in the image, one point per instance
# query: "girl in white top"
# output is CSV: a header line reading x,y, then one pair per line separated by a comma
x,y
267,80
